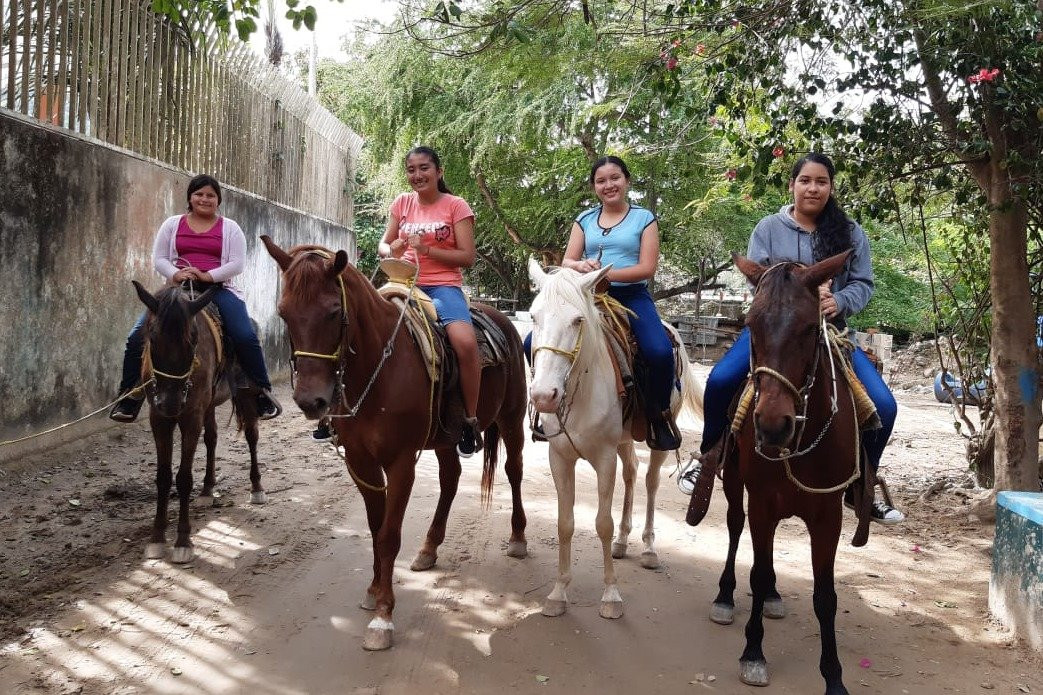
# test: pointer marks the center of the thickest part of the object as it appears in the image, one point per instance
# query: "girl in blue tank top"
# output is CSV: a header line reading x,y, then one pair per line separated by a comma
x,y
627,236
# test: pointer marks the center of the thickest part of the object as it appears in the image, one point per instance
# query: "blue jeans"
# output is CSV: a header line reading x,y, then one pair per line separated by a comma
x,y
236,325
652,341
730,372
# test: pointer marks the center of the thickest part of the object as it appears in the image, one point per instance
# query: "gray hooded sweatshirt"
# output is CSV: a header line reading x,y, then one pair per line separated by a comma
x,y
778,238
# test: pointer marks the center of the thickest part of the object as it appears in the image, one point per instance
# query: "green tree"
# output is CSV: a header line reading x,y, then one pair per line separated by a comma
x,y
242,15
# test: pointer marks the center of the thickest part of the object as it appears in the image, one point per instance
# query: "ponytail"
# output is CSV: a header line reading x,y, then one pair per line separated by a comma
x,y
433,156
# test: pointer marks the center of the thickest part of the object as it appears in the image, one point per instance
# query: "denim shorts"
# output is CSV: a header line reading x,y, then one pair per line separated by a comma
x,y
450,303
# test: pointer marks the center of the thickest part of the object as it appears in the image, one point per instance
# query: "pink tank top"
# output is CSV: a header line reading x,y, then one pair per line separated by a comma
x,y
202,251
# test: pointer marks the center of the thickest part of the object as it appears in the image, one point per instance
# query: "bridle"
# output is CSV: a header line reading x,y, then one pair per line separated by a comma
x,y
801,400
565,402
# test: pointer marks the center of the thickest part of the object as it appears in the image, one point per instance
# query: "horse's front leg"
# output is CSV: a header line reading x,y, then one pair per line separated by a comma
x,y
753,667
605,466
825,534
629,458
448,482
650,556
257,493
190,429
163,433
563,468
722,611
513,432
401,473
375,501
210,441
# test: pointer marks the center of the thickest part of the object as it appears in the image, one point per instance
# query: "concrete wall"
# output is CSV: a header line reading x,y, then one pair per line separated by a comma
x,y
1016,585
77,222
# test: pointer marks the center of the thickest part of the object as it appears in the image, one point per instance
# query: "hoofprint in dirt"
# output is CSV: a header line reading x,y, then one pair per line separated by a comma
x,y
270,604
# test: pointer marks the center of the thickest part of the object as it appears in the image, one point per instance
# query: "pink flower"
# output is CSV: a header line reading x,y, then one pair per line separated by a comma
x,y
700,49
671,63
713,120
675,43
865,663
731,174
735,24
984,75
777,152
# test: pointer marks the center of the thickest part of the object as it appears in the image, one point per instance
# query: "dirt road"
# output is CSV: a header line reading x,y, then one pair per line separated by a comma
x,y
269,605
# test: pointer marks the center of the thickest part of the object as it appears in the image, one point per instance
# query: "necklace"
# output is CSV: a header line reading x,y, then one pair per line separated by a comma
x,y
605,231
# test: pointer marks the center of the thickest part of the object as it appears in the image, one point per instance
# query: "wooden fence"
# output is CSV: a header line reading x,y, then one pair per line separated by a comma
x,y
116,71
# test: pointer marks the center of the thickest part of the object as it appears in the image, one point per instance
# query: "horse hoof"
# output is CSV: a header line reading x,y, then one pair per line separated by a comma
x,y
181,555
722,613
155,551
619,550
552,608
518,549
650,560
259,497
423,561
754,673
774,608
377,639
611,610
368,602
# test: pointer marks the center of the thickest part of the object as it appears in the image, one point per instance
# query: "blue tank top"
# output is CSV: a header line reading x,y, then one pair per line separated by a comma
x,y
620,244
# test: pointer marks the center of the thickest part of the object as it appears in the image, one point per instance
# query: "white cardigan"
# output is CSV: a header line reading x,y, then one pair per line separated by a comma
x,y
233,252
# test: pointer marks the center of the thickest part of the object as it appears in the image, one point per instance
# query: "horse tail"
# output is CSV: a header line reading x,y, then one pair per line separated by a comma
x,y
691,387
492,451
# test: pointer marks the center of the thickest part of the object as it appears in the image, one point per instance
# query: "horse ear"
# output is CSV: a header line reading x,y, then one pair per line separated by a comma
x,y
751,269
536,273
590,280
815,275
281,257
146,297
197,304
340,262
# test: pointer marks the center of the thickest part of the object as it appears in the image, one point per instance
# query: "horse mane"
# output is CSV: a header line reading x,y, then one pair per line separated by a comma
x,y
308,274
172,318
773,286
563,287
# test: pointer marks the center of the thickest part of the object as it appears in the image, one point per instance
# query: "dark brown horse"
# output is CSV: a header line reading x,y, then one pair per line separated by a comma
x,y
796,453
350,357
186,377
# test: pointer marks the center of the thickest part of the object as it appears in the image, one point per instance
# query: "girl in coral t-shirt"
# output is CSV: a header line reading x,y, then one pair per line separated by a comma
x,y
434,229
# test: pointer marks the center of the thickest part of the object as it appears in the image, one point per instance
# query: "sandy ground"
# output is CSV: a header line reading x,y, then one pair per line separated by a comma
x,y
269,605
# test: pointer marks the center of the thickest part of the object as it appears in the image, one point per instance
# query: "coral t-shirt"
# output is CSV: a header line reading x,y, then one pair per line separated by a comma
x,y
436,222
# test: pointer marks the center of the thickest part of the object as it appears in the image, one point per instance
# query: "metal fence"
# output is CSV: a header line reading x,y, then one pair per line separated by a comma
x,y
116,71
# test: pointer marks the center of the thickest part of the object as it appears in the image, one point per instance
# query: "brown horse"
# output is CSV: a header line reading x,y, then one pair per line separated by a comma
x,y
186,378
351,356
797,451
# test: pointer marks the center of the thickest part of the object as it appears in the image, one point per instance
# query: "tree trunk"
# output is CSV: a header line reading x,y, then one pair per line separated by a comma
x,y
1013,345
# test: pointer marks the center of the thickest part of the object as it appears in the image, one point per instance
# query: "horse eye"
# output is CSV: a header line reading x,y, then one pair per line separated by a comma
x,y
577,321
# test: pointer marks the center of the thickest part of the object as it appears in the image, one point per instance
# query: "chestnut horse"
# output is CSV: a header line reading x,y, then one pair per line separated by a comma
x,y
185,379
797,450
352,358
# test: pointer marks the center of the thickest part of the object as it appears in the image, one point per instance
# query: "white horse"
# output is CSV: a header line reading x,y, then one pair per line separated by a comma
x,y
574,389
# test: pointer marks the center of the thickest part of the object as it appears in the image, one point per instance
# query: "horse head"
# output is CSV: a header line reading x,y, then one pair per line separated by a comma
x,y
785,337
171,336
314,305
565,320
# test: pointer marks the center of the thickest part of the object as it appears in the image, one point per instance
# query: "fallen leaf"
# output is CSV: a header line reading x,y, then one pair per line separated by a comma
x,y
948,604
176,671
542,679
74,503
273,551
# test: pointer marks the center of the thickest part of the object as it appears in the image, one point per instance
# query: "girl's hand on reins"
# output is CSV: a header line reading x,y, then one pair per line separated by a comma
x,y
398,248
826,301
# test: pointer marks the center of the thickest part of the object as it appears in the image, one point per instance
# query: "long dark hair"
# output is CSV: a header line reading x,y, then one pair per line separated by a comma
x,y
429,152
202,181
832,226
609,159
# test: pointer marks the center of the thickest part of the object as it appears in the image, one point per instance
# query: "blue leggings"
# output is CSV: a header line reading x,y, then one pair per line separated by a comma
x,y
652,341
236,324
730,372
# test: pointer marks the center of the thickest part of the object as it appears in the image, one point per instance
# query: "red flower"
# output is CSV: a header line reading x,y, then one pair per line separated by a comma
x,y
730,174
777,152
671,63
700,49
984,75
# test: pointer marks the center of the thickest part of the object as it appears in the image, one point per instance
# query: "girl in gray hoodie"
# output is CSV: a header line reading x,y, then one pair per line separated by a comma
x,y
811,229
